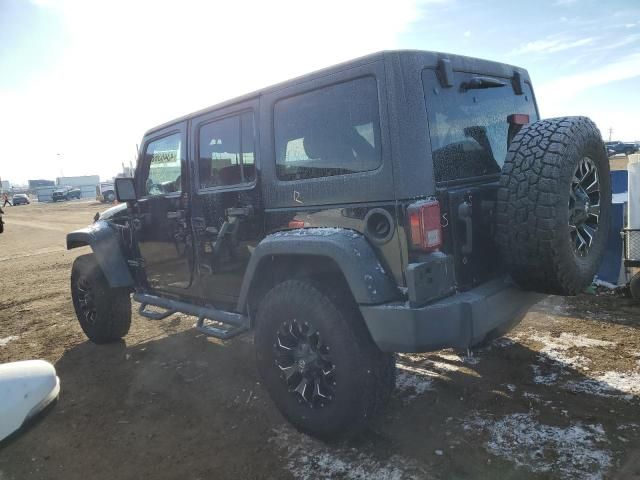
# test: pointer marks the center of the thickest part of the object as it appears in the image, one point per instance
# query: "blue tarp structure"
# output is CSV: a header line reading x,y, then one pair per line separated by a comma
x,y
612,264
611,268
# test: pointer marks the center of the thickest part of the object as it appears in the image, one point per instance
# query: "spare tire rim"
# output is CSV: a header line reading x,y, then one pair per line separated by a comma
x,y
584,206
304,363
86,301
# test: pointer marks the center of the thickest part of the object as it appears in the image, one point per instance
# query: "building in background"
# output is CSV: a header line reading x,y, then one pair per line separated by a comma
x,y
86,183
42,189
35,184
5,186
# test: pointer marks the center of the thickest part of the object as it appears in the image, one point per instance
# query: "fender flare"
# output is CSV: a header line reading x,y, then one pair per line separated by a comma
x,y
356,258
105,243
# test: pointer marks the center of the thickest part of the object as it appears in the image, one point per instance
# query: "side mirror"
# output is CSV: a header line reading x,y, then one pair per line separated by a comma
x,y
125,189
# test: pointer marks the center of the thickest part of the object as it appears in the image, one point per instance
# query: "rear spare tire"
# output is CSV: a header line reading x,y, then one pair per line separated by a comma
x,y
553,205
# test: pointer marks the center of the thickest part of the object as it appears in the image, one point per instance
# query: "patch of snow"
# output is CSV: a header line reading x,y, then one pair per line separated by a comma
x,y
556,351
444,362
532,396
628,426
510,387
501,342
312,231
5,341
609,384
310,459
451,357
470,359
413,381
575,451
541,378
605,284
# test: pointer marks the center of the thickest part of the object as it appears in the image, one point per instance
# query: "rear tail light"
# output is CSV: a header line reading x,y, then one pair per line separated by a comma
x,y
424,225
297,224
518,119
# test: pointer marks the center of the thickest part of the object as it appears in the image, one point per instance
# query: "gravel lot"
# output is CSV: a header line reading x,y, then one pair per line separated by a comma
x,y
558,398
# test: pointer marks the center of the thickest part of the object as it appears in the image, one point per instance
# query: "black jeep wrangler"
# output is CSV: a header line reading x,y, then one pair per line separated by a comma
x,y
401,202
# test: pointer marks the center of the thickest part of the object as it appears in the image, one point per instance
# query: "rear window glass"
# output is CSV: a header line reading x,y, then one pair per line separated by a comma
x,y
469,128
334,130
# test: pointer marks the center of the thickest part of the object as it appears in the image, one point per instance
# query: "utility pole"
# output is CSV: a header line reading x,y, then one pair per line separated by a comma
x,y
610,133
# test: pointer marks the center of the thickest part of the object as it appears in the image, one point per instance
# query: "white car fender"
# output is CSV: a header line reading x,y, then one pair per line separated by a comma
x,y
26,388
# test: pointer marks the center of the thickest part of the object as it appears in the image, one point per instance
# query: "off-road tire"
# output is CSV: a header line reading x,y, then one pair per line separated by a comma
x,y
364,376
108,317
533,205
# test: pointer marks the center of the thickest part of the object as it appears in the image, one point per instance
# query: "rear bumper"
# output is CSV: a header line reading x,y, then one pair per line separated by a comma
x,y
458,321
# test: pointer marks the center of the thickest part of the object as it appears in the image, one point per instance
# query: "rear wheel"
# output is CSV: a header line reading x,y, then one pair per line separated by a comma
x,y
553,205
104,313
318,362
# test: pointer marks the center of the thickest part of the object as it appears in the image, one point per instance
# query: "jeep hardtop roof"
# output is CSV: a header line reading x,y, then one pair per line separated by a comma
x,y
426,59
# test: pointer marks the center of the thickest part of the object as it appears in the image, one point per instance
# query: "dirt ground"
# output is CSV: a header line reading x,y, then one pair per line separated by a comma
x,y
558,398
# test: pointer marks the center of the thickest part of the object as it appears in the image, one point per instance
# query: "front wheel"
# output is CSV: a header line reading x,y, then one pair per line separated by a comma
x,y
104,313
318,362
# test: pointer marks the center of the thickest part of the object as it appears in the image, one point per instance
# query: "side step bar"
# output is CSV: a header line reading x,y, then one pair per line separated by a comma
x,y
228,324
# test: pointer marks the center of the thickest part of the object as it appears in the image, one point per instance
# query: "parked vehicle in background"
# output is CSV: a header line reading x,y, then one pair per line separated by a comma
x,y
20,199
622,148
66,193
105,192
402,202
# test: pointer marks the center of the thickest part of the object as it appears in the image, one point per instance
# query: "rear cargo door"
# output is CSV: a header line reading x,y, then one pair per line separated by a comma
x,y
470,126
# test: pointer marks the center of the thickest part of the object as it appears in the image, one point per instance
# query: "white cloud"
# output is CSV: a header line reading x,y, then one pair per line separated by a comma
x,y
571,85
551,45
131,65
556,97
467,34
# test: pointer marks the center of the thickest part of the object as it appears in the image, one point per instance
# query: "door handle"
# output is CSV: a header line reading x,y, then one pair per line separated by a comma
x,y
178,214
240,211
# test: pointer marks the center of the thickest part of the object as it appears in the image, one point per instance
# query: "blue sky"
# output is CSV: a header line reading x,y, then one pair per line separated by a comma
x,y
81,81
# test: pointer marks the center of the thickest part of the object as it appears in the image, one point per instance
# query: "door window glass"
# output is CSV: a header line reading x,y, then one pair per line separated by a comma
x,y
226,155
164,159
334,130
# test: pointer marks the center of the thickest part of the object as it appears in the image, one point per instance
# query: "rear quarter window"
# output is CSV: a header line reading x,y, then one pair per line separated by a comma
x,y
334,130
468,127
